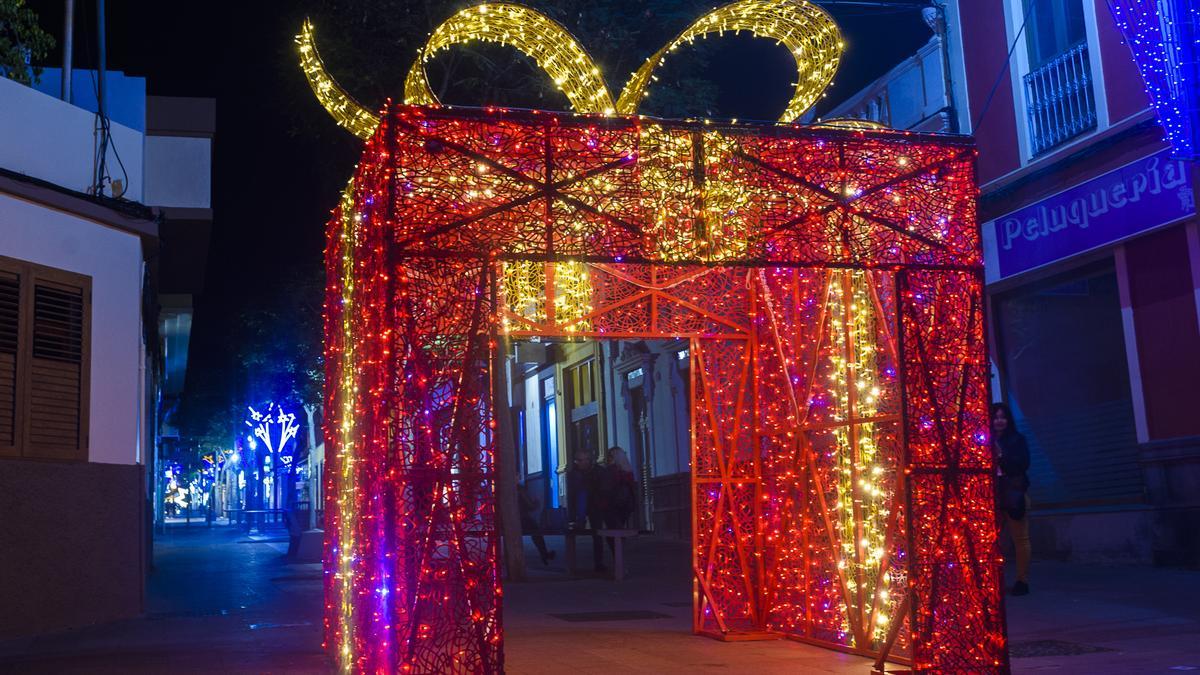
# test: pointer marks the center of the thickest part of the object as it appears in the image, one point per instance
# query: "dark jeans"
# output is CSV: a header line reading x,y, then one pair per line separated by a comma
x,y
599,521
529,527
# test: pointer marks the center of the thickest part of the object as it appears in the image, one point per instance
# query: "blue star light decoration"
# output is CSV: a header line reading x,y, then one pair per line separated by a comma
x,y
1162,34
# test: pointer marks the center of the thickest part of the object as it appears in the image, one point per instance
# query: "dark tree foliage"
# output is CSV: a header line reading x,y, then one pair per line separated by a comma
x,y
275,346
280,349
22,42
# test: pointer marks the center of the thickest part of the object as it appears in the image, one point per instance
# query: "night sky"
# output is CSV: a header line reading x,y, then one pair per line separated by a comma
x,y
280,161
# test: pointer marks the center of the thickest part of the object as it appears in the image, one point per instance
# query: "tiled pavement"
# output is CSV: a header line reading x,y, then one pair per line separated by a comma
x,y
220,602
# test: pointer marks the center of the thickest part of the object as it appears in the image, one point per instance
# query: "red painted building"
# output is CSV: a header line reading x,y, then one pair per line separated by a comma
x,y
1093,261
1095,329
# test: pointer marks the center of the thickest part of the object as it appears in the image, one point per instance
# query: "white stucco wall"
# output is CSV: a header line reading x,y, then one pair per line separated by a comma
x,y
669,414
178,171
44,137
113,259
911,93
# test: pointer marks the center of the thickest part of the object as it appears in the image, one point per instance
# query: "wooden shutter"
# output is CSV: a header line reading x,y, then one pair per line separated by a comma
x,y
57,375
10,332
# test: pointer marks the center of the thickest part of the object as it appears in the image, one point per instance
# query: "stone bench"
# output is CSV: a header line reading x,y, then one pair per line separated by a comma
x,y
618,537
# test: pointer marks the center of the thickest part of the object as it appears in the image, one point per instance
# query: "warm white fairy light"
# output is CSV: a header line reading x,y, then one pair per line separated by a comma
x,y
809,34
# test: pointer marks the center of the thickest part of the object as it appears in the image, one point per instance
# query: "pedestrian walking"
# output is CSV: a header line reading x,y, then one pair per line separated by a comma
x,y
1012,488
527,504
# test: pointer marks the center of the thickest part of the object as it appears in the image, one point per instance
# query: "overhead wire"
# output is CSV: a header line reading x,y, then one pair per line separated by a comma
x,y
1005,66
102,126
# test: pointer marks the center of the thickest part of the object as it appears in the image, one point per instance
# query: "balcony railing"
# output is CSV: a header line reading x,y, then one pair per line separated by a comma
x,y
1061,102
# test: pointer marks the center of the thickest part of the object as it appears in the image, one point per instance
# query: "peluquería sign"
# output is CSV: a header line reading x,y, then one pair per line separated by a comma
x,y
1139,196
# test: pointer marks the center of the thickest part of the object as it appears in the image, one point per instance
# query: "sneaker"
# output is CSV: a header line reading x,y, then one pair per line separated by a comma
x,y
1020,588
548,556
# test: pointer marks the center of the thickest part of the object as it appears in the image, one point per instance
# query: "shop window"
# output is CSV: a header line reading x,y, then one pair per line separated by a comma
x,y
582,379
1063,364
583,410
44,361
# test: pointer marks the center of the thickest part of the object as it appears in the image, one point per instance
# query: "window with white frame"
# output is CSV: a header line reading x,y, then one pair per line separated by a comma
x,y
1059,94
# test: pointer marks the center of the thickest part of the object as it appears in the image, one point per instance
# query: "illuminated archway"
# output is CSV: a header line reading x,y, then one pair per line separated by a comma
x,y
829,281
842,479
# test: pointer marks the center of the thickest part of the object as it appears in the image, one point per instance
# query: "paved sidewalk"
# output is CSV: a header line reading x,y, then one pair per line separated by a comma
x,y
217,602
220,602
539,643
1106,619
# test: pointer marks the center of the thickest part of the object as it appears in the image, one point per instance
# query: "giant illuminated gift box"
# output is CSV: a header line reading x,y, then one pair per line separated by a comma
x,y
829,282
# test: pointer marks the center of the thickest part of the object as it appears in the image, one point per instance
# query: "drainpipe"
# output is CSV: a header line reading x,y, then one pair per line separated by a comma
x,y
68,49
935,18
101,97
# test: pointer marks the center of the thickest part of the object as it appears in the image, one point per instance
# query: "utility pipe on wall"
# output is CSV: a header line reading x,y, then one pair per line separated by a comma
x,y
68,49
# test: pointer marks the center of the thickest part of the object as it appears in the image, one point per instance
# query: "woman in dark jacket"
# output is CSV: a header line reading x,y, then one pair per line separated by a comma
x,y
1012,486
624,488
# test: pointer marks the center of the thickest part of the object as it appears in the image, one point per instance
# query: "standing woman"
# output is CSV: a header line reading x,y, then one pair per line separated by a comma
x,y
621,503
1012,487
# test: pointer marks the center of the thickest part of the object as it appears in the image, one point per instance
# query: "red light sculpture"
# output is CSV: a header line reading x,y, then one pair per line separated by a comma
x,y
830,284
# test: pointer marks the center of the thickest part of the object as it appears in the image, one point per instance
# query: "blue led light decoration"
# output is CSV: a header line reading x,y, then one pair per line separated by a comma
x,y
275,428
1162,34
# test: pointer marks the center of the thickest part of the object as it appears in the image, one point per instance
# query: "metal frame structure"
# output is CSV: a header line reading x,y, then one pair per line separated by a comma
x,y
830,284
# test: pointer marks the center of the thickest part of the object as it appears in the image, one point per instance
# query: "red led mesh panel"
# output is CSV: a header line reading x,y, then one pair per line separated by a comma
x,y
829,283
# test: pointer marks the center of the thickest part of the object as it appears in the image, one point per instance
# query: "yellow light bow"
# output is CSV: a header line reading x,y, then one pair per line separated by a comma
x,y
852,123
345,110
528,31
804,29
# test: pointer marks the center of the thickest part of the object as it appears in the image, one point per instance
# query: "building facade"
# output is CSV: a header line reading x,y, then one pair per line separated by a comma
x,y
178,166
568,397
80,356
912,95
1093,272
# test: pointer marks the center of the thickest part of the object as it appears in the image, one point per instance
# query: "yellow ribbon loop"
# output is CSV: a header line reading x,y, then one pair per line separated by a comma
x,y
528,31
804,29
345,110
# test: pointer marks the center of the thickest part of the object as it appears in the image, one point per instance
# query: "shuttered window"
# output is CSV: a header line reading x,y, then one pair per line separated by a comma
x,y
10,310
44,361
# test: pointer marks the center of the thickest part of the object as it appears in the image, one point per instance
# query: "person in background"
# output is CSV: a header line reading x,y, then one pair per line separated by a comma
x,y
1012,488
624,488
587,501
528,504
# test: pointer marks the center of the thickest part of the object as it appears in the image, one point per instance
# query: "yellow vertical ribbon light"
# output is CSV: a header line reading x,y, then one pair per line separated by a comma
x,y
347,483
